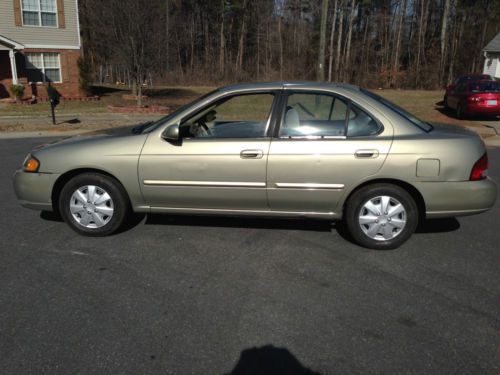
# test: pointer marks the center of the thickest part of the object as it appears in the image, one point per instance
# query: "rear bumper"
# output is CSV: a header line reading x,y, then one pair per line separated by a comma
x,y
482,110
34,190
449,199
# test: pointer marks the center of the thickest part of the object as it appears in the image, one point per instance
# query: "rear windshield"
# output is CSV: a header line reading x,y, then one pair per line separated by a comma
x,y
484,87
400,111
476,77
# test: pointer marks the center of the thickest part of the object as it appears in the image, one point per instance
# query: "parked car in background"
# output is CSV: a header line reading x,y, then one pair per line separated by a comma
x,y
471,98
315,150
464,78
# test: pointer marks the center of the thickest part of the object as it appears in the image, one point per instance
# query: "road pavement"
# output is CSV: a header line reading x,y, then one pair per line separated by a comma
x,y
201,295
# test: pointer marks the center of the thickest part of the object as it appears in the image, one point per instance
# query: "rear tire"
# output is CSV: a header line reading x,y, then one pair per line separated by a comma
x,y
381,216
93,204
460,112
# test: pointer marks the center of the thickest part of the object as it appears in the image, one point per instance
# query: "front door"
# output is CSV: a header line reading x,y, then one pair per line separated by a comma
x,y
220,161
324,146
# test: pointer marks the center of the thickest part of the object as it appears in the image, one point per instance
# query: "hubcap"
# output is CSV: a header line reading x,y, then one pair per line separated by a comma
x,y
382,218
91,206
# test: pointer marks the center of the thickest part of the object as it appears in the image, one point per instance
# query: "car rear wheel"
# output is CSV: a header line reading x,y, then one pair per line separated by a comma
x,y
460,111
93,204
445,102
381,217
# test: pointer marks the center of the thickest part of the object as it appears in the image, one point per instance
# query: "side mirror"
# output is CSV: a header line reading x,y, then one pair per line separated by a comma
x,y
171,133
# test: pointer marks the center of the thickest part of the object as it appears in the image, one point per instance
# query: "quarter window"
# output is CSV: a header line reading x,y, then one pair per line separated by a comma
x,y
242,116
43,67
39,13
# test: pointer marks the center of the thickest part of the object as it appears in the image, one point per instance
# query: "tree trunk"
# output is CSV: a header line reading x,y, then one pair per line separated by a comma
x,y
348,46
222,41
241,43
339,42
330,49
322,41
395,66
444,29
281,48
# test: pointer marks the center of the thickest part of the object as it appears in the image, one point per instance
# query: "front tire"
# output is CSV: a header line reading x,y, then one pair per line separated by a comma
x,y
381,217
93,204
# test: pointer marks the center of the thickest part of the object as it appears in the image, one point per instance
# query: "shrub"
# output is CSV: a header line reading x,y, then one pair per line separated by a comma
x,y
18,91
85,76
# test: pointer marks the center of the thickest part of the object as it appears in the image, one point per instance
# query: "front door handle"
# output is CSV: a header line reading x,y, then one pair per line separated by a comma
x,y
366,154
251,154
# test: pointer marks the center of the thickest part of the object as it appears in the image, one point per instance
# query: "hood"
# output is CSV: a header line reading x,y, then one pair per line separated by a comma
x,y
122,131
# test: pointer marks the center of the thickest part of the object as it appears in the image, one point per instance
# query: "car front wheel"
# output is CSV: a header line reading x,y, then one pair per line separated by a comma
x,y
93,204
381,217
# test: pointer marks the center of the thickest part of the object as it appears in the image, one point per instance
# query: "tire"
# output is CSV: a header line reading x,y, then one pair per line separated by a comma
x,y
379,232
94,204
445,102
460,112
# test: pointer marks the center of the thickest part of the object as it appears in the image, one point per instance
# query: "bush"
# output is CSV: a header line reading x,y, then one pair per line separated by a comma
x,y
18,91
85,76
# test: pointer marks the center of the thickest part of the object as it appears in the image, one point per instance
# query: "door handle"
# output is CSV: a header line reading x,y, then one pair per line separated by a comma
x,y
251,154
366,154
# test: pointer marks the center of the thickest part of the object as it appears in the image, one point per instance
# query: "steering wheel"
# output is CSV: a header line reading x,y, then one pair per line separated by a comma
x,y
203,125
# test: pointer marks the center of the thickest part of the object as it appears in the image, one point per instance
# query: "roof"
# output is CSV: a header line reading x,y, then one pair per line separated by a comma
x,y
10,43
493,45
286,84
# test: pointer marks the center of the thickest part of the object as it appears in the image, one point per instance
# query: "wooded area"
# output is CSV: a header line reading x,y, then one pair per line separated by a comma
x,y
373,43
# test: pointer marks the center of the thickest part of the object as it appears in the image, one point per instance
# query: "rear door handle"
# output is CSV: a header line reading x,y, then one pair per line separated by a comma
x,y
366,154
251,154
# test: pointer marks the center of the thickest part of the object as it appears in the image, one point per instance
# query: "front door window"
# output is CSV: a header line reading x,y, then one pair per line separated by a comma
x,y
242,116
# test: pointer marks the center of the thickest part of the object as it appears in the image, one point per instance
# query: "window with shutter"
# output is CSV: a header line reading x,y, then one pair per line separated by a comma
x,y
39,13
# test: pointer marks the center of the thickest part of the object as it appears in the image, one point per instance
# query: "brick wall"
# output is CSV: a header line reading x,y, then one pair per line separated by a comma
x,y
69,74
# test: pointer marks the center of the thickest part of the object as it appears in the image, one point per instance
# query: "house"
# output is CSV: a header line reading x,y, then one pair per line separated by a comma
x,y
39,43
492,57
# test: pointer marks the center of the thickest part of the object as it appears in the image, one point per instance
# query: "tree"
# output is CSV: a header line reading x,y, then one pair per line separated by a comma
x,y
322,41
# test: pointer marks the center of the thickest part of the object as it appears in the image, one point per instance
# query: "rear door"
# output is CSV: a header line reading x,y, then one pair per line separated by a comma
x,y
325,144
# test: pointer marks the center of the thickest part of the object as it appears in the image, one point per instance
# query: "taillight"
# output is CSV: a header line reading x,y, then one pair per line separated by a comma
x,y
480,169
475,99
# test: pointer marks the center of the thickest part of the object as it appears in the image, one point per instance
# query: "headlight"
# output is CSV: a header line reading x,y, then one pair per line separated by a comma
x,y
31,164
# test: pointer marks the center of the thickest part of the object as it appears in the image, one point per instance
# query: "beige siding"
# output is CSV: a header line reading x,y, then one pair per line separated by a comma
x,y
29,35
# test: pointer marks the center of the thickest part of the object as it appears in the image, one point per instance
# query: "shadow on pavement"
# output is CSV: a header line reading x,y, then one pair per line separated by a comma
x,y
240,222
269,360
438,225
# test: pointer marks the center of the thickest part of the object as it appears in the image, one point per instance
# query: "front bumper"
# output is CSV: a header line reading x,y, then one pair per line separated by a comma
x,y
34,190
449,199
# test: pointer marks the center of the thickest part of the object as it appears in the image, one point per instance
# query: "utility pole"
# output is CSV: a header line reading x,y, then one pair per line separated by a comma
x,y
322,41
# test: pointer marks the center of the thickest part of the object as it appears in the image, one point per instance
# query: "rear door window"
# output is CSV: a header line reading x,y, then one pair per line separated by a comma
x,y
323,115
312,114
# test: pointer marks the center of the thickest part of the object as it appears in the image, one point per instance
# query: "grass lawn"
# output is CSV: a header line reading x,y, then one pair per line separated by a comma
x,y
421,103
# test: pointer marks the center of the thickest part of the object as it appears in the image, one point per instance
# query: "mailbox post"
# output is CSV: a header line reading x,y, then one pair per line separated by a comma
x,y
54,101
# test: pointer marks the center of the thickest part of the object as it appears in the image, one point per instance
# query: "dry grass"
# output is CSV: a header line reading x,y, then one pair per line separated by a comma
x,y
423,104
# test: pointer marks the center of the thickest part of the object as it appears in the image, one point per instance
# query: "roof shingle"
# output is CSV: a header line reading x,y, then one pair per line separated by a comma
x,y
493,45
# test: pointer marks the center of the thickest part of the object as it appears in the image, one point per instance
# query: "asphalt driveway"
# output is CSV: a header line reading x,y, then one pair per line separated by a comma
x,y
198,295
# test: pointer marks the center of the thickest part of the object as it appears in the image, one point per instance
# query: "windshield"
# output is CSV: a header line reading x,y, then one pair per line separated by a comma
x,y
484,87
150,126
425,126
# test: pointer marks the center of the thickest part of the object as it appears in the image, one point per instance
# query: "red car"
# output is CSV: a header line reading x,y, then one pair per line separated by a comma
x,y
474,98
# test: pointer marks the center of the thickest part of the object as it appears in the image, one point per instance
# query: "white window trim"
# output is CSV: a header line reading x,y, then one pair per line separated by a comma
x,y
39,11
43,68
